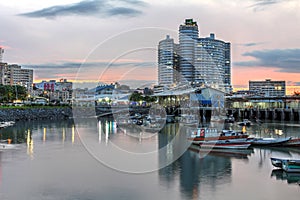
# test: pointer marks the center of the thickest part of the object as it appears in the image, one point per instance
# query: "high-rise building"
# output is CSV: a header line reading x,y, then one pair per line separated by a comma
x,y
1,54
168,62
15,75
212,62
268,87
188,34
201,61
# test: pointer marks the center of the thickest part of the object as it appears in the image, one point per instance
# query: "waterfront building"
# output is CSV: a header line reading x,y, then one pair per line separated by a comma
x,y
268,87
188,34
13,74
61,90
212,63
194,61
168,62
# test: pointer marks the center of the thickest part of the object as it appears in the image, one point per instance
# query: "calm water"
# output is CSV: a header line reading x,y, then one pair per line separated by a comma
x,y
57,161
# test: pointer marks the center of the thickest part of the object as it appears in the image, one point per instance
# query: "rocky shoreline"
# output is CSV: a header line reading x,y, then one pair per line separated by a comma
x,y
25,114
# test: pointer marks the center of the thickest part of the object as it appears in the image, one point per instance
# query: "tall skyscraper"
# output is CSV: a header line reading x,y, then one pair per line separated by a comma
x,y
201,61
1,54
188,34
212,62
168,62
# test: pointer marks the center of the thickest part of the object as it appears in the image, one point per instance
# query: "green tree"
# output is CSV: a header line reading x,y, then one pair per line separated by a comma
x,y
136,96
9,93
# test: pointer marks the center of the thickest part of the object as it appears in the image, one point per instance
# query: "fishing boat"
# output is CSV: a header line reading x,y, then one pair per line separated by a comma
x,y
226,140
203,134
268,141
288,165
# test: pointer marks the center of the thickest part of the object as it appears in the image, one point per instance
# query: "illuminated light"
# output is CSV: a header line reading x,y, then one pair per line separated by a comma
x,y
244,129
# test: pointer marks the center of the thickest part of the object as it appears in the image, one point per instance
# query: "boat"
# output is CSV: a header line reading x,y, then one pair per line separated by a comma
x,y
276,162
6,124
226,140
5,146
230,119
189,120
225,144
288,165
204,134
294,142
268,141
245,122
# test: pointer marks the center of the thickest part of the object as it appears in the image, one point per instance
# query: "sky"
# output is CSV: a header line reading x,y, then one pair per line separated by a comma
x,y
116,40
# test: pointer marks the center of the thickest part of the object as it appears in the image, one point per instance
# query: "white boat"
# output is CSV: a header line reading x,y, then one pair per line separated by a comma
x,y
268,141
245,122
6,124
288,165
5,146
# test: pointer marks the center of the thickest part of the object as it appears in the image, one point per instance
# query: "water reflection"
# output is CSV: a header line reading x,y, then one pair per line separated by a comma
x,y
197,174
290,178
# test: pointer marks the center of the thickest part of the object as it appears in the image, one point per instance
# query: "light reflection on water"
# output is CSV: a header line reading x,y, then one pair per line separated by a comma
x,y
51,163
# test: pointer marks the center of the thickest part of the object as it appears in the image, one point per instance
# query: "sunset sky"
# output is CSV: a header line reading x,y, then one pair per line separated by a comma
x,y
116,40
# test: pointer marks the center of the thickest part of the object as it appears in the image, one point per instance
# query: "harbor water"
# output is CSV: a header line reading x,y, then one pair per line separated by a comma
x,y
60,160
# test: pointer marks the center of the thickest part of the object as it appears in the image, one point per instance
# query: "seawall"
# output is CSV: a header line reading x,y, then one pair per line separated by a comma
x,y
24,114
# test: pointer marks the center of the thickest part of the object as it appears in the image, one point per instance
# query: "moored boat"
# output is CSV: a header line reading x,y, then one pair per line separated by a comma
x,y
294,142
203,134
5,146
245,122
268,141
276,162
288,165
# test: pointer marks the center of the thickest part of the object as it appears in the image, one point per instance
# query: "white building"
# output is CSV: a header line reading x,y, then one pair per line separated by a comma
x,y
12,74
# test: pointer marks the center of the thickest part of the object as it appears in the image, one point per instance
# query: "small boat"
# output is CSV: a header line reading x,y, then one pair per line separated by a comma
x,y
276,162
245,122
268,141
203,134
5,146
230,119
288,165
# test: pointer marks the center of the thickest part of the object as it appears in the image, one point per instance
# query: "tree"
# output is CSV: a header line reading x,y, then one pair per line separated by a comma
x,y
136,96
9,93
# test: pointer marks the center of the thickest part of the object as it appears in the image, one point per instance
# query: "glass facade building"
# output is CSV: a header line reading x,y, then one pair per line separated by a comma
x,y
196,61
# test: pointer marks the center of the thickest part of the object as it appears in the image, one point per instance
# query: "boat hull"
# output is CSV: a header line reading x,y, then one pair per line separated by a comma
x,y
220,144
268,141
288,165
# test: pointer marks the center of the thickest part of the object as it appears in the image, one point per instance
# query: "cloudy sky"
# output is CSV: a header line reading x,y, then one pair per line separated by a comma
x,y
116,40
